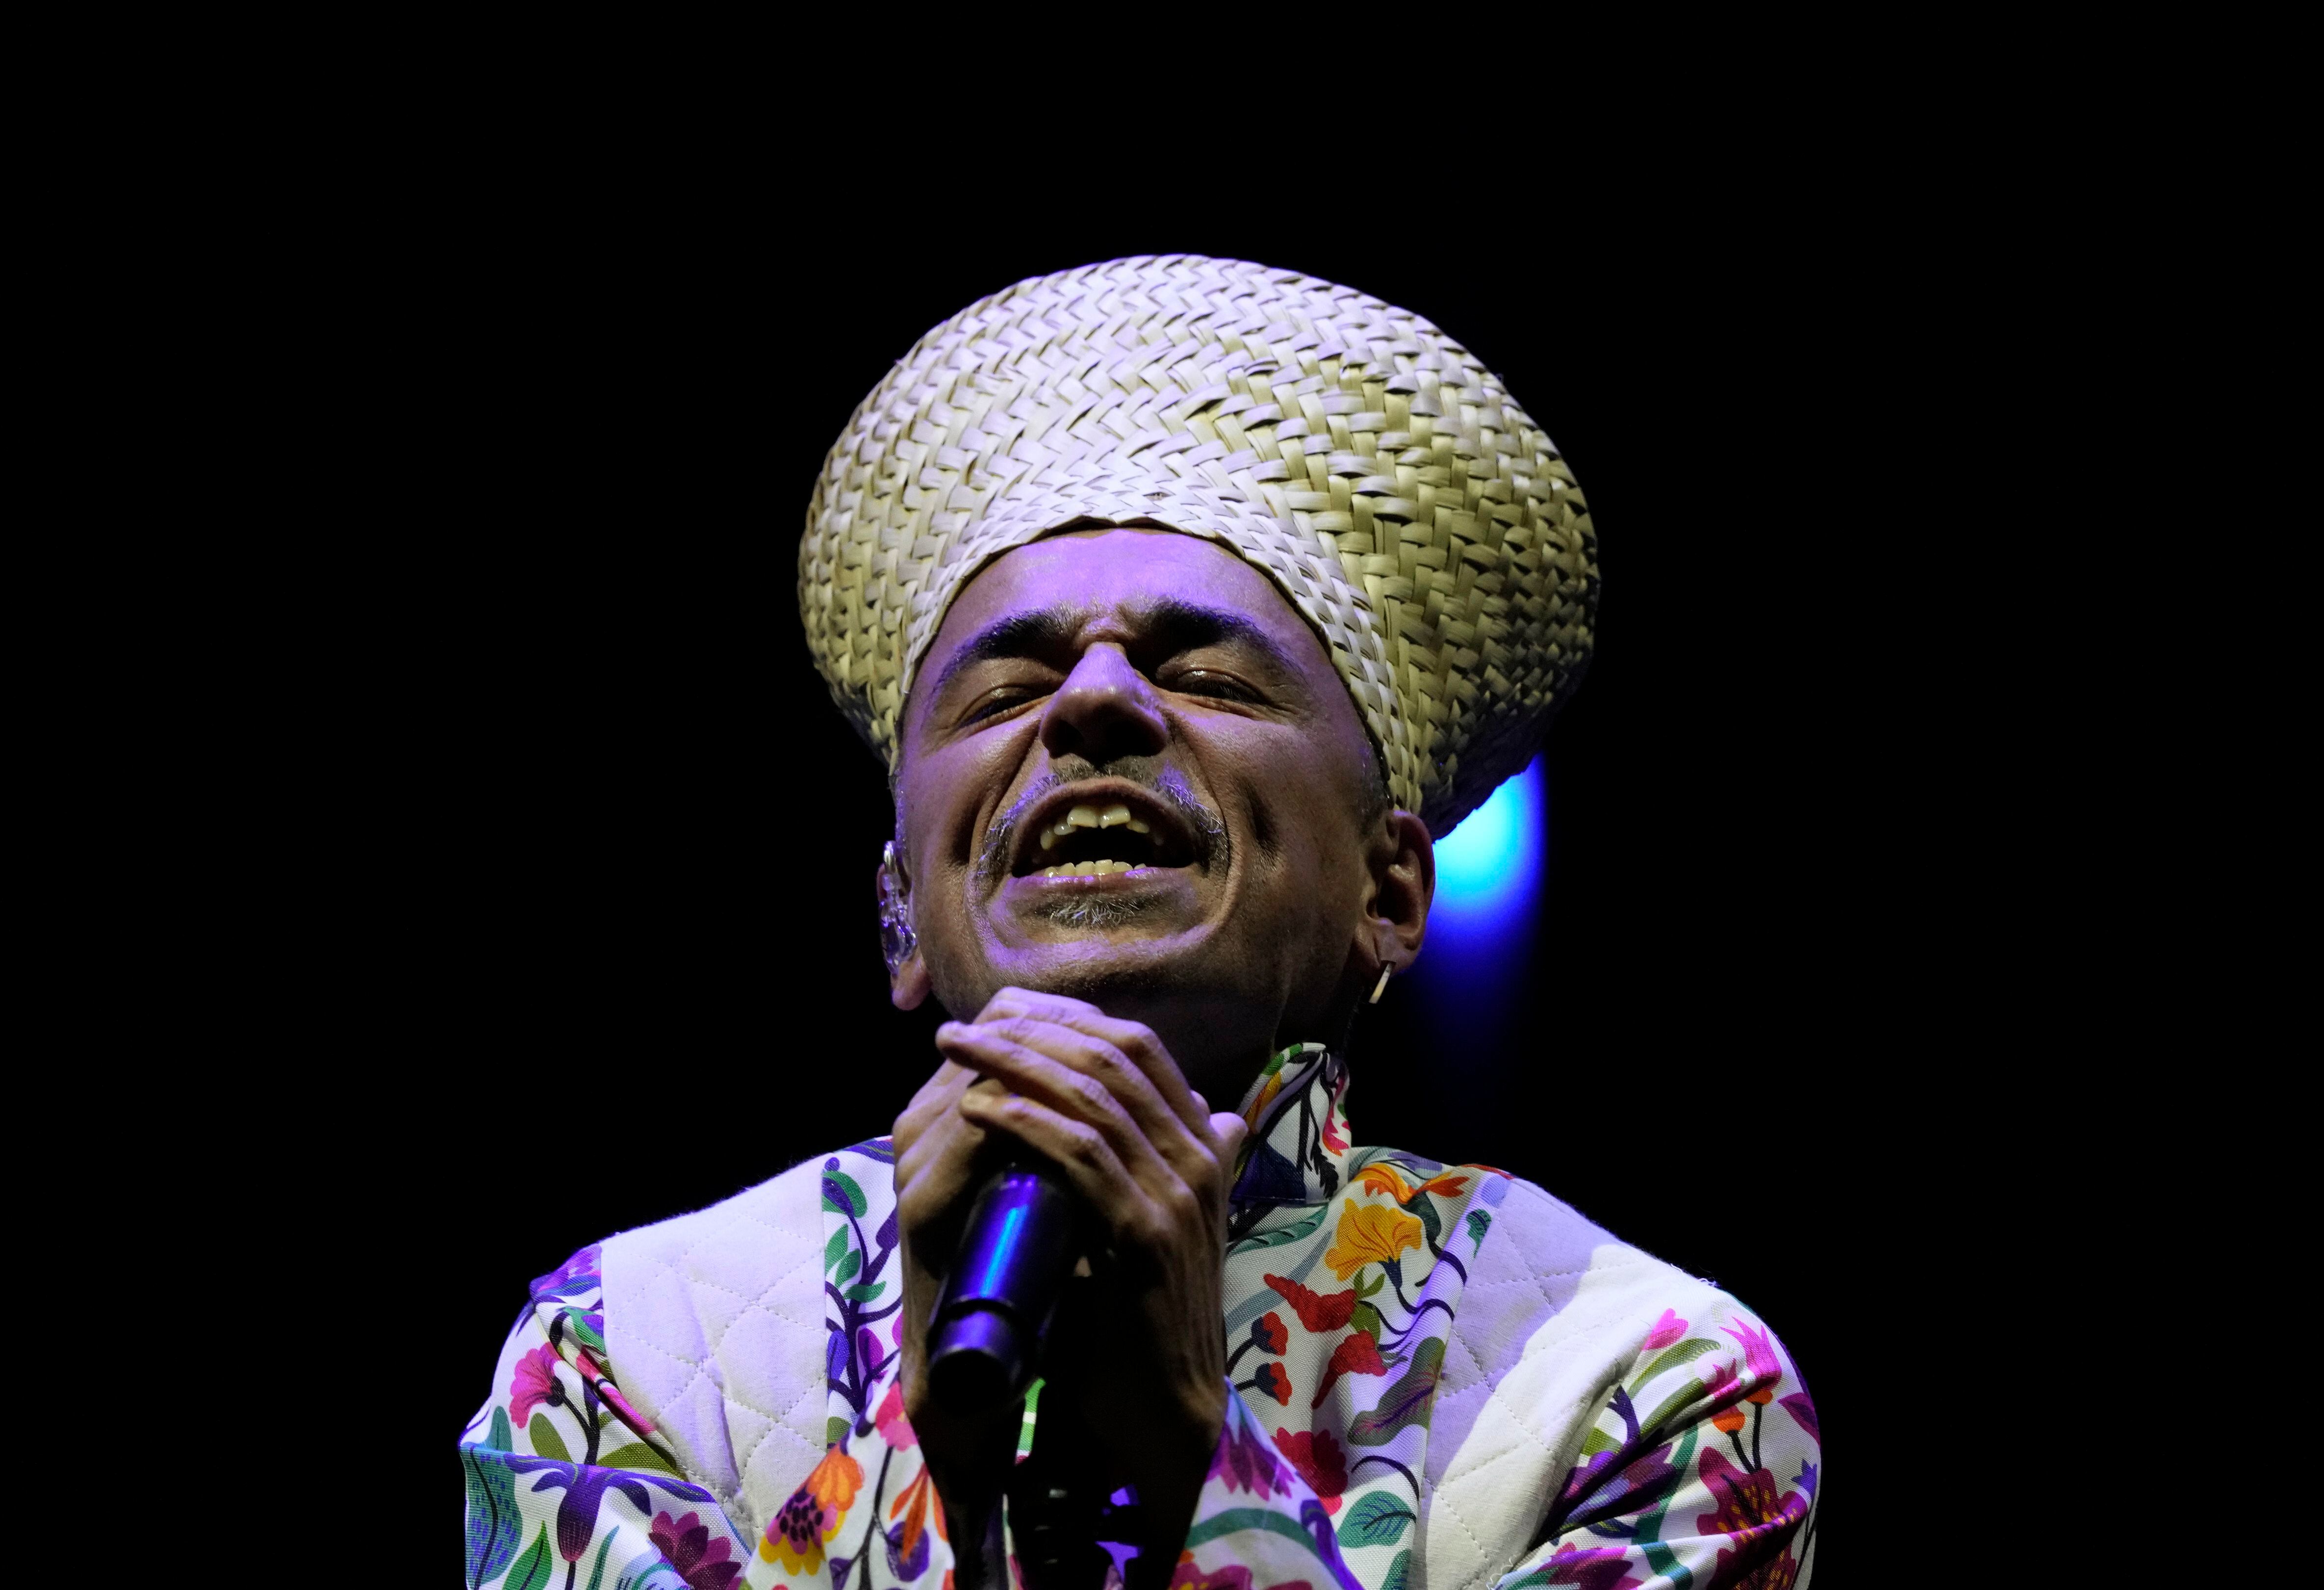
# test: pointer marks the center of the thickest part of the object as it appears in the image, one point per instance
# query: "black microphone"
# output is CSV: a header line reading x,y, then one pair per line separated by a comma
x,y
984,1342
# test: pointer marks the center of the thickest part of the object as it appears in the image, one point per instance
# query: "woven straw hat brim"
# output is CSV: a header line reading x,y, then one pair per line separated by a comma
x,y
1378,475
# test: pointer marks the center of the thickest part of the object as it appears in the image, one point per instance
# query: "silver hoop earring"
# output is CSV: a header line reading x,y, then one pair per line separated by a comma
x,y
897,942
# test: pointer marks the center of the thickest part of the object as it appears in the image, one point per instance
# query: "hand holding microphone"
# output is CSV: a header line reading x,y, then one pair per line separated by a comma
x,y
1148,1168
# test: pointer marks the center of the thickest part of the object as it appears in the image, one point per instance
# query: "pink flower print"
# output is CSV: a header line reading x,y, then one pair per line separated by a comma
x,y
687,1545
1760,1359
1758,1522
1668,1329
533,1384
894,1428
1332,1139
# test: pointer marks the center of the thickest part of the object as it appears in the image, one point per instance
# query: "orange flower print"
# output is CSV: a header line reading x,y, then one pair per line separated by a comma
x,y
1370,1235
1379,1176
918,1507
1728,1420
795,1534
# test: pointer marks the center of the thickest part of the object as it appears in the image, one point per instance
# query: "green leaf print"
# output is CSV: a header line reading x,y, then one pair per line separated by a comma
x,y
1685,1352
1291,1233
503,1438
1247,1518
1378,1519
576,1324
836,1429
1480,1222
832,1249
636,1454
864,1291
546,1440
1399,1572
491,1520
1690,1392
848,1266
597,1573
1366,1319
531,1570
1407,1402
846,1185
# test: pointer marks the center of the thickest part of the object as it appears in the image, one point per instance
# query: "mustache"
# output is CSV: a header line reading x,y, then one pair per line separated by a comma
x,y
1164,783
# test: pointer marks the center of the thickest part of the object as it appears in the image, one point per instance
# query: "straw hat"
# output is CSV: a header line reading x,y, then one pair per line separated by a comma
x,y
1366,463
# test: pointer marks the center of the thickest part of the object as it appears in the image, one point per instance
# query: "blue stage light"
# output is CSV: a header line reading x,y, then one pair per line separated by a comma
x,y
1488,868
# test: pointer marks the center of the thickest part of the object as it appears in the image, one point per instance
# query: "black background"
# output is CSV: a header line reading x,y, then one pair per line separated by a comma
x,y
591,889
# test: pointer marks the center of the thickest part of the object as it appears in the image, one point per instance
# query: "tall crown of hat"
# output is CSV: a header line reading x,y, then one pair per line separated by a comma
x,y
1370,466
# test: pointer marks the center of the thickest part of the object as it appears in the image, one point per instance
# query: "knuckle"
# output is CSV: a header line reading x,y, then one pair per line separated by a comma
x,y
1107,1062
1094,1094
1085,1143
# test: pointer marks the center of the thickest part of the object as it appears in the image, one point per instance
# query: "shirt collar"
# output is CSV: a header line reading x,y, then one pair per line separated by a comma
x,y
1298,1151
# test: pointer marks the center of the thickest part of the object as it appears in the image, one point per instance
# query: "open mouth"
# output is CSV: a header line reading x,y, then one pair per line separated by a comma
x,y
1082,833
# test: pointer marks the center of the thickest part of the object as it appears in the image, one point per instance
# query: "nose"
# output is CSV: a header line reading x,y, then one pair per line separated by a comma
x,y
1105,709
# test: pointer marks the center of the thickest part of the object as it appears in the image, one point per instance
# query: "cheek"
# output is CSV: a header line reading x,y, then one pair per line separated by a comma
x,y
943,793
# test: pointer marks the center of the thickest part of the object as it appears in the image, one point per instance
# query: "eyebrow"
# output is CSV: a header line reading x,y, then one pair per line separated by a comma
x,y
1189,624
1183,624
1047,628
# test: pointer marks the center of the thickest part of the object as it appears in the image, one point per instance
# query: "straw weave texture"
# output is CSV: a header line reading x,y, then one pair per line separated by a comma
x,y
1370,467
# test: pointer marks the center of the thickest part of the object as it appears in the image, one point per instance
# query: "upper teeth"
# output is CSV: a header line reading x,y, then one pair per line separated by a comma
x,y
1088,817
1087,869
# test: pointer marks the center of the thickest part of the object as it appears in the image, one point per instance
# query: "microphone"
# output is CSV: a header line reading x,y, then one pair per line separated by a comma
x,y
984,1342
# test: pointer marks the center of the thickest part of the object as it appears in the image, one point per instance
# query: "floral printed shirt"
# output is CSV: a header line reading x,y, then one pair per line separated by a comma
x,y
1689,1457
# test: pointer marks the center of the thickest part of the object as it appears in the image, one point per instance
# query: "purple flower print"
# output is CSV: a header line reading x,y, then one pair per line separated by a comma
x,y
585,1487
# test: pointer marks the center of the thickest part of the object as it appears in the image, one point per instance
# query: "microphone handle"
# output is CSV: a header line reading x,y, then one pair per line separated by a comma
x,y
984,1341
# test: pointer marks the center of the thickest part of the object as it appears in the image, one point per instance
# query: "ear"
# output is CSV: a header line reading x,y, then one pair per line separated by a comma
x,y
1403,860
907,972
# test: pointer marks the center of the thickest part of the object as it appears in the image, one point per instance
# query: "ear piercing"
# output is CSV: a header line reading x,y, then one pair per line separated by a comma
x,y
897,942
1380,986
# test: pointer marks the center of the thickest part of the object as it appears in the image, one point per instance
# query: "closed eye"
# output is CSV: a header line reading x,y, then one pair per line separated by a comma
x,y
1210,682
1007,698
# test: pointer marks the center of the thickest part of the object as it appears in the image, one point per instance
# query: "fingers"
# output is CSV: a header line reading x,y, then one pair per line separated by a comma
x,y
1131,1041
1081,1088
1142,1214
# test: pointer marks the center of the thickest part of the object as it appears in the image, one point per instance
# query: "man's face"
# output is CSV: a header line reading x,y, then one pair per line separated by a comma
x,y
1131,774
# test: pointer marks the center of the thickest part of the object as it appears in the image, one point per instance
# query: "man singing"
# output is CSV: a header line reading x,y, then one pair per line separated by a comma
x,y
1185,599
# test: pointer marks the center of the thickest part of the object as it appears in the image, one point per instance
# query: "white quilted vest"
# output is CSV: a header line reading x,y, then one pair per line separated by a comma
x,y
714,1322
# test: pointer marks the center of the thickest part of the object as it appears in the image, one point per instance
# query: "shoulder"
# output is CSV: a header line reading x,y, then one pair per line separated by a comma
x,y
1556,1309
714,1318
1548,1268
684,1277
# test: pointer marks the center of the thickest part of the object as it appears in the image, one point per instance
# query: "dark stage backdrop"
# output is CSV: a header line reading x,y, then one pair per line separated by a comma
x,y
612,952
